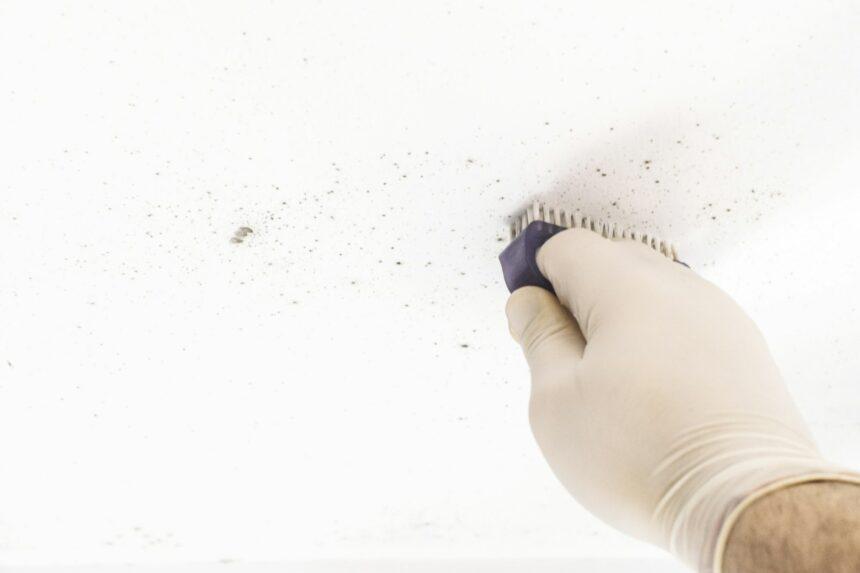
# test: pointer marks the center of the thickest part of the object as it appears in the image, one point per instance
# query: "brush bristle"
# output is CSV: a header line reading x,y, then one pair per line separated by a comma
x,y
576,220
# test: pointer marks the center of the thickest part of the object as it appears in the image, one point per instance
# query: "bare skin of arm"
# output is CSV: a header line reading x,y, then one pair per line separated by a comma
x,y
812,527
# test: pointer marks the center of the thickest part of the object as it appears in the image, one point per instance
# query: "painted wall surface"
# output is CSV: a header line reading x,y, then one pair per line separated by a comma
x,y
340,383
589,565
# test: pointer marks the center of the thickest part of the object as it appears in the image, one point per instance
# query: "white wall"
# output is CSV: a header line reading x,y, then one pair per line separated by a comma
x,y
387,566
341,384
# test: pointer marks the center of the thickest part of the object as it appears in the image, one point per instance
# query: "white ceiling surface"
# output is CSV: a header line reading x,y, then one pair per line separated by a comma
x,y
341,385
594,565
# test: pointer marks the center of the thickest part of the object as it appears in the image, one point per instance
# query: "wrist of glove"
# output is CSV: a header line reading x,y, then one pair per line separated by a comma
x,y
717,468
654,397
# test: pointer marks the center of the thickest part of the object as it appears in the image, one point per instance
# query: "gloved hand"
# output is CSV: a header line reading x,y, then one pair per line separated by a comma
x,y
654,397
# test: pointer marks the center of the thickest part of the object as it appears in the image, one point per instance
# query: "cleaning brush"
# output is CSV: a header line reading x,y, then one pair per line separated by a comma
x,y
531,229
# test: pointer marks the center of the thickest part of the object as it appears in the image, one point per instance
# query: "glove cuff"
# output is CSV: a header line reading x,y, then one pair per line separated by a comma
x,y
713,559
716,469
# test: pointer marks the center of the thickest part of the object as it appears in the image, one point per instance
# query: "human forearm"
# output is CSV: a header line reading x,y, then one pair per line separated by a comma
x,y
811,527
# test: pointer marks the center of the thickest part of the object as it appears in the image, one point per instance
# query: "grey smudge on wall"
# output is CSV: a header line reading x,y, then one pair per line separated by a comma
x,y
240,234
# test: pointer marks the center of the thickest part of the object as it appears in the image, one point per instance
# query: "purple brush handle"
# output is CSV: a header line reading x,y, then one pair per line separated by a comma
x,y
518,259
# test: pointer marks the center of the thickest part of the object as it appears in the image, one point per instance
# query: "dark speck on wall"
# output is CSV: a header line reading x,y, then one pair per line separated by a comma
x,y
464,345
240,234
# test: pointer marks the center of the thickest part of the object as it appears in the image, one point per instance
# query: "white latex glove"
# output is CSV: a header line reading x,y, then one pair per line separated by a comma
x,y
654,397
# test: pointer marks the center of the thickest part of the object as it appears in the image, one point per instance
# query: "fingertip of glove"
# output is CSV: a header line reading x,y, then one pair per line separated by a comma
x,y
523,305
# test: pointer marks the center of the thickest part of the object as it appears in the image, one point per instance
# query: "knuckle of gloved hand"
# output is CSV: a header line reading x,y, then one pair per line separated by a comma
x,y
542,328
525,309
